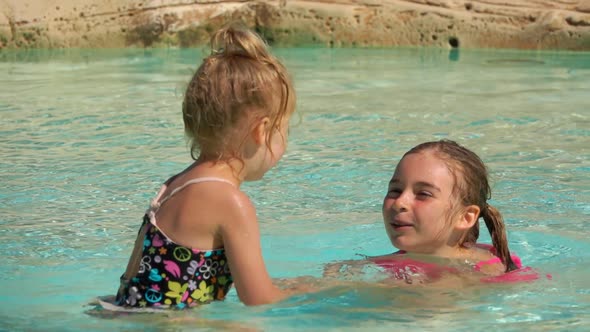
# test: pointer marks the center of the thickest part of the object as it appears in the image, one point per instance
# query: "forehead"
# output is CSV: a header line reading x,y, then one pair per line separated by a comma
x,y
426,167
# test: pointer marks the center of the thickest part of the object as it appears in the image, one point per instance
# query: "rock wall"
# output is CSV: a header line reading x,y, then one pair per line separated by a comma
x,y
520,24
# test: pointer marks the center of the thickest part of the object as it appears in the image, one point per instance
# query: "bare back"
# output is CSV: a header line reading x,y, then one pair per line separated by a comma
x,y
202,209
192,209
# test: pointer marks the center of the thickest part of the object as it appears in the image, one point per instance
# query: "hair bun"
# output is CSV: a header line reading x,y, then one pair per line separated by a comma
x,y
237,39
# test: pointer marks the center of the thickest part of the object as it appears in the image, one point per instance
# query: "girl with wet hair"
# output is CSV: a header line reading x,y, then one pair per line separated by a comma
x,y
433,205
200,235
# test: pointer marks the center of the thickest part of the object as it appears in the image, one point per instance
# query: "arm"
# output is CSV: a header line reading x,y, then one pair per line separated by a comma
x,y
241,239
351,267
346,270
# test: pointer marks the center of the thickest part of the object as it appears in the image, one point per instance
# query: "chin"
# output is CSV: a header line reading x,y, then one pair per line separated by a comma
x,y
254,177
395,242
401,245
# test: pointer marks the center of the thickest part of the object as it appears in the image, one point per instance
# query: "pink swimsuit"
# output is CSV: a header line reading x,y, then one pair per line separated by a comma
x,y
404,268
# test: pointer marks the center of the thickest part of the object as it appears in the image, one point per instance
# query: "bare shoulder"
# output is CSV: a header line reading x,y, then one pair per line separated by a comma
x,y
488,263
492,269
195,214
227,206
238,205
215,192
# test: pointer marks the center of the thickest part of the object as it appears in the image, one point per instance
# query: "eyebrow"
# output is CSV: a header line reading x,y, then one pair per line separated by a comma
x,y
419,184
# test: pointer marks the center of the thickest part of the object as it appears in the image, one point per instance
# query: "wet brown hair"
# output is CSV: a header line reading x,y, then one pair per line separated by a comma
x,y
239,83
472,188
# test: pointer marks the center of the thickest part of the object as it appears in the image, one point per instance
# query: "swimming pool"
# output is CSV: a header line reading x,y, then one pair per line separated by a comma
x,y
87,136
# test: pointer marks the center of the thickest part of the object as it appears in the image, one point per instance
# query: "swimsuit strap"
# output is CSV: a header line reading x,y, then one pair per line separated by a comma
x,y
157,202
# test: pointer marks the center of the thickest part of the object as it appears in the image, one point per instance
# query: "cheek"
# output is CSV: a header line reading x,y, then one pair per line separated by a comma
x,y
279,151
432,207
387,202
445,217
279,142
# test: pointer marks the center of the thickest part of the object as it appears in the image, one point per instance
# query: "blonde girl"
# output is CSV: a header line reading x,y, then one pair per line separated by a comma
x,y
200,234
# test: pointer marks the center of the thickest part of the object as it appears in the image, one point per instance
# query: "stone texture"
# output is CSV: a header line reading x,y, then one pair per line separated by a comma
x,y
520,24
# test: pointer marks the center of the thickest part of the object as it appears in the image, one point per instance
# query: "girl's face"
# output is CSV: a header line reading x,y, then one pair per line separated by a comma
x,y
417,207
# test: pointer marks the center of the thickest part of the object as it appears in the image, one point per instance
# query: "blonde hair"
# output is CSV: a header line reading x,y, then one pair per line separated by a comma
x,y
238,83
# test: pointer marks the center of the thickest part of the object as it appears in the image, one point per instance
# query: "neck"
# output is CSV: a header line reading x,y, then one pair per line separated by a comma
x,y
228,170
450,252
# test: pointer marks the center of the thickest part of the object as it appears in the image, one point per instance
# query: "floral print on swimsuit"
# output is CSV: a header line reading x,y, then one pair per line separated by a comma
x,y
171,275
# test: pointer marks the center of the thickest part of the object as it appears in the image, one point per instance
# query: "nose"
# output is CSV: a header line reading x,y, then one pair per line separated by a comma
x,y
400,204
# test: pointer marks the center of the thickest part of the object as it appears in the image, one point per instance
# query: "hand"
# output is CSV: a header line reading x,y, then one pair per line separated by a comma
x,y
298,285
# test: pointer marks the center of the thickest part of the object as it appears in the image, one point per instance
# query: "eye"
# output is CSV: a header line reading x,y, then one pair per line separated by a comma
x,y
394,192
424,194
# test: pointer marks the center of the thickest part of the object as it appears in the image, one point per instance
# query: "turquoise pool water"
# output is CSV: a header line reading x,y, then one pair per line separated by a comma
x,y
87,136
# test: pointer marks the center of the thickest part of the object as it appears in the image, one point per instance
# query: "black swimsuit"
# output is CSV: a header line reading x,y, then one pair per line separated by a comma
x,y
171,275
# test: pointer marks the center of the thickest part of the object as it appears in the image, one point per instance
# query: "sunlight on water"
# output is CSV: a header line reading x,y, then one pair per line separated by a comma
x,y
87,136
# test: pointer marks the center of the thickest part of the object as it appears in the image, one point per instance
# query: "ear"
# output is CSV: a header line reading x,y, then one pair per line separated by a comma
x,y
468,217
260,130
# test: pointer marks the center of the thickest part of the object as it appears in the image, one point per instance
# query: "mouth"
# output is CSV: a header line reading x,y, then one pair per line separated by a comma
x,y
399,224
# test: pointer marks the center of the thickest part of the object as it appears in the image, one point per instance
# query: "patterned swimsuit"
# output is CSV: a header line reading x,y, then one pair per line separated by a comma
x,y
171,275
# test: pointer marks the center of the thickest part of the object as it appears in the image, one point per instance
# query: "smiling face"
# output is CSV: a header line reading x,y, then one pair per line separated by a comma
x,y
418,208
